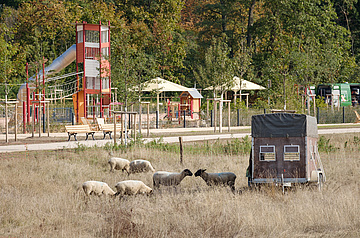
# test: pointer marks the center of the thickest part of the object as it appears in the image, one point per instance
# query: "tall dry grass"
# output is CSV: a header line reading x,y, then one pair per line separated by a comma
x,y
41,196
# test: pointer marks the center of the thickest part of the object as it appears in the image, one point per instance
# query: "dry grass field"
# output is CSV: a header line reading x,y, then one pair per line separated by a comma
x,y
41,196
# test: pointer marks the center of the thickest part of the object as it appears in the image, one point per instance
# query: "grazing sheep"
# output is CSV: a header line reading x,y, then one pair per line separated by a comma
x,y
97,188
169,178
138,166
132,187
225,178
119,164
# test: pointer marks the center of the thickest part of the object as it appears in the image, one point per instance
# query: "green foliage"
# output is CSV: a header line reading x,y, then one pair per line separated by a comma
x,y
319,102
131,144
239,104
352,145
80,148
260,104
158,144
325,146
229,147
238,146
292,42
217,70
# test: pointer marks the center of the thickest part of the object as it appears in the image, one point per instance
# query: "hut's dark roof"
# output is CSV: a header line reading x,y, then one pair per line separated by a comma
x,y
283,125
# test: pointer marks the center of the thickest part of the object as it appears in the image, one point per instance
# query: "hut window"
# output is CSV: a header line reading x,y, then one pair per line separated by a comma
x,y
291,152
267,153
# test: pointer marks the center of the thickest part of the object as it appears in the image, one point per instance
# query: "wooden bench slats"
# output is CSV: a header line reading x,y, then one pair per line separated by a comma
x,y
107,129
73,130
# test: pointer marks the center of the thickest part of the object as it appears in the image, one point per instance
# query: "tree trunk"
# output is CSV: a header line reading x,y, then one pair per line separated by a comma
x,y
250,22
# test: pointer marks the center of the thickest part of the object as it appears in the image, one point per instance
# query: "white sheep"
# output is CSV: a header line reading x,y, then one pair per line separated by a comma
x,y
225,178
138,166
97,188
169,178
119,164
132,187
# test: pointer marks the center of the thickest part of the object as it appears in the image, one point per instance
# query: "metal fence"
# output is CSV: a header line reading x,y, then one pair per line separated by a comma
x,y
238,117
62,115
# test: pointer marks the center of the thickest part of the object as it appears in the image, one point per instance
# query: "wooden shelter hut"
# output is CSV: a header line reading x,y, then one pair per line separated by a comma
x,y
190,101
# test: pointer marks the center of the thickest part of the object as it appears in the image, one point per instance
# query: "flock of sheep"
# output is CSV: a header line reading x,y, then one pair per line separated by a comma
x,y
132,187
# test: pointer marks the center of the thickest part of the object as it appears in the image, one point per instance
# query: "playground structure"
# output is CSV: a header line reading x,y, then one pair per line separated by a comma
x,y
190,101
93,96
89,87
90,93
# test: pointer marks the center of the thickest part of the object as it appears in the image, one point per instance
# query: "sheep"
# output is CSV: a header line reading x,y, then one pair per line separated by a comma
x,y
97,188
169,178
138,166
119,164
132,187
225,178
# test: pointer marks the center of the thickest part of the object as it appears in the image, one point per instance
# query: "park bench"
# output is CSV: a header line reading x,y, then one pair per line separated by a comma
x,y
85,121
107,129
75,129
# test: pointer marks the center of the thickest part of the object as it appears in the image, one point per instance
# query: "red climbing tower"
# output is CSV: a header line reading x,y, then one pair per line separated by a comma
x,y
92,57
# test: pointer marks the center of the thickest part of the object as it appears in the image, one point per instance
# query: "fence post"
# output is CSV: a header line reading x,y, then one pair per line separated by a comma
x,y
229,114
72,118
238,117
24,117
184,118
215,114
343,114
48,118
148,120
33,121
211,118
114,117
157,119
44,122
6,121
16,108
39,118
318,115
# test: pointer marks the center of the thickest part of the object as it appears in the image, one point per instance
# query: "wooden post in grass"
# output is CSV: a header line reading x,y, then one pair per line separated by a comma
x,y
181,150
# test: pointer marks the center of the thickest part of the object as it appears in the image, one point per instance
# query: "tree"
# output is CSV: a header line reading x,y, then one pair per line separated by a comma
x,y
11,59
131,66
222,17
217,71
299,38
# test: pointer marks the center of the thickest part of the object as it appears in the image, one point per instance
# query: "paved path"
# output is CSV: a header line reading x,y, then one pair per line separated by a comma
x,y
167,139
